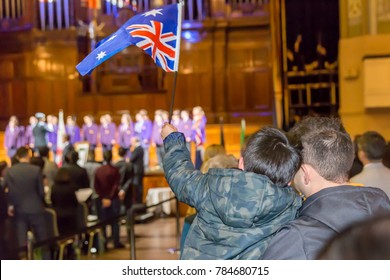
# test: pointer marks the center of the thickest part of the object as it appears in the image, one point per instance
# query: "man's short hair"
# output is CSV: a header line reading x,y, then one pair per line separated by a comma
x,y
72,157
107,156
372,144
330,153
122,151
22,152
43,151
310,124
268,152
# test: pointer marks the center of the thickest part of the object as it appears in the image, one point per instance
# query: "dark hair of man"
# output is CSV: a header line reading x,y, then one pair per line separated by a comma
x,y
372,144
366,240
330,153
22,152
43,151
107,156
310,124
269,153
122,151
72,157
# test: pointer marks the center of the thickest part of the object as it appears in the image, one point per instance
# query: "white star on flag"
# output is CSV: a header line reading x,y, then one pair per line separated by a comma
x,y
153,12
101,55
111,38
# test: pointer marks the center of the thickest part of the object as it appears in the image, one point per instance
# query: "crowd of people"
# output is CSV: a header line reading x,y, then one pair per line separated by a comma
x,y
115,185
291,195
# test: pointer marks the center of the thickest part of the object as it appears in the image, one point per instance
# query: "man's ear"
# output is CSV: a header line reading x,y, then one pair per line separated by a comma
x,y
241,163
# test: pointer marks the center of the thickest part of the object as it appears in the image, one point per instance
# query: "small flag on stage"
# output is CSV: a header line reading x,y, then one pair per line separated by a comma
x,y
60,138
157,32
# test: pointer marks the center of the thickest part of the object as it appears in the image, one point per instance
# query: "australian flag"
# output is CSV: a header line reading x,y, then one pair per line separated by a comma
x,y
157,32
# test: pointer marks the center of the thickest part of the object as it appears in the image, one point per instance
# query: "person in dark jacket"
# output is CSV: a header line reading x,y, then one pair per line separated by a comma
x,y
64,202
137,164
3,212
331,204
126,173
26,199
78,175
107,180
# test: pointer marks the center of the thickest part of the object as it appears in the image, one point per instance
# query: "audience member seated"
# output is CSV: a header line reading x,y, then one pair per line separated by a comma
x,y
371,149
368,240
331,203
239,209
126,173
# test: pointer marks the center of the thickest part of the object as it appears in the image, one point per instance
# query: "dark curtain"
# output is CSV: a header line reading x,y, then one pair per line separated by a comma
x,y
318,23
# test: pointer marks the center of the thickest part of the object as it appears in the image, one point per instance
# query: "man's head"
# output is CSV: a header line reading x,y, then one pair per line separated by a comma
x,y
122,152
135,141
107,156
269,153
23,154
327,157
72,157
371,147
43,151
310,124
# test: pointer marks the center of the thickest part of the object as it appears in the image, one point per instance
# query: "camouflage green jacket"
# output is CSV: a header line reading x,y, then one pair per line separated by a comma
x,y
238,212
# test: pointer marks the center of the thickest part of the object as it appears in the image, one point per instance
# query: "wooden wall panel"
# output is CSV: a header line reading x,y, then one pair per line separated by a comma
x,y
261,83
224,67
19,102
236,91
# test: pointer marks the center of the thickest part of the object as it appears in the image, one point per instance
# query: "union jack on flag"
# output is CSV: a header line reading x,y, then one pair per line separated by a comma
x,y
157,32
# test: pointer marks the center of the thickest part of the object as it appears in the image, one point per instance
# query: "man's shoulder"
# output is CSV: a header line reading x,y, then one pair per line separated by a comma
x,y
23,168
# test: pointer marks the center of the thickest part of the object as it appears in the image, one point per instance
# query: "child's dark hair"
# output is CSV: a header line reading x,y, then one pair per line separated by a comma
x,y
268,152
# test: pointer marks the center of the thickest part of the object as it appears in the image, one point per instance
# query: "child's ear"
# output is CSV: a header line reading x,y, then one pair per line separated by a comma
x,y
241,163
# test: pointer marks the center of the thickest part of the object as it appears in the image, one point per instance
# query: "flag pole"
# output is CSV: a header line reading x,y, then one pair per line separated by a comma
x,y
179,21
172,97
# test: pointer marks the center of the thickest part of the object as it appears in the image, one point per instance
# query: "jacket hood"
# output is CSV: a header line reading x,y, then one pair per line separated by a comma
x,y
346,204
245,199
